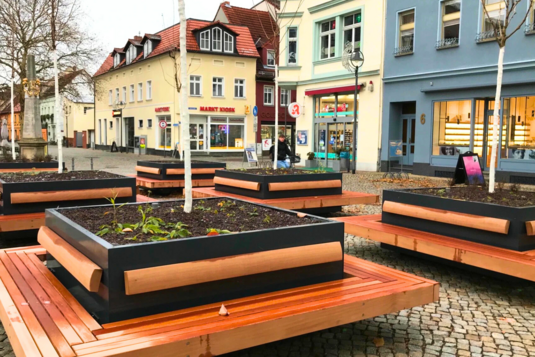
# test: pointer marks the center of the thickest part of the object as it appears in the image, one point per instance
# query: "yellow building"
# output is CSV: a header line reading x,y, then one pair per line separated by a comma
x,y
5,113
137,102
314,36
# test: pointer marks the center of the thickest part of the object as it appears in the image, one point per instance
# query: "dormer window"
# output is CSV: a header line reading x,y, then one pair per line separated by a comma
x,y
131,54
228,43
205,40
216,39
116,60
147,48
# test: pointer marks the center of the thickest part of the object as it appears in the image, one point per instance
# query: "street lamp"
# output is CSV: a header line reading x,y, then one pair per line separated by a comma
x,y
352,60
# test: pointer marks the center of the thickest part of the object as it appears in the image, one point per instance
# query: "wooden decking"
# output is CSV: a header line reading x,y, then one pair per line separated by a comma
x,y
156,184
21,222
297,203
504,261
42,318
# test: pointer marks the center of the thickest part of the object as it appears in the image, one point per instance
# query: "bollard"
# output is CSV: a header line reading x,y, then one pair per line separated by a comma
x,y
72,164
91,163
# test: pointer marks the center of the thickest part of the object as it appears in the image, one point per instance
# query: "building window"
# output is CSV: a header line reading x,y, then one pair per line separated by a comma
x,y
165,134
530,27
327,39
352,30
116,95
149,123
149,90
493,15
131,54
217,87
451,128
239,88
140,123
216,39
268,95
195,86
147,48
140,92
227,133
292,46
116,60
520,143
229,43
285,97
451,23
205,40
111,124
271,58
110,97
406,33
124,94
132,95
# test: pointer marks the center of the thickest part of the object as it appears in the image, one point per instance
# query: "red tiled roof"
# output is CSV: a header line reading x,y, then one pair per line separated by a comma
x,y
260,23
170,41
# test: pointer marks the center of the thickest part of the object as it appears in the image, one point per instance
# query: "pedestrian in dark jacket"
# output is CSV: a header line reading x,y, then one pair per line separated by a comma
x,y
283,152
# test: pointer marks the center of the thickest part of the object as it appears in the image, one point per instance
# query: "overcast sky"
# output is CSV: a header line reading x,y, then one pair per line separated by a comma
x,y
115,21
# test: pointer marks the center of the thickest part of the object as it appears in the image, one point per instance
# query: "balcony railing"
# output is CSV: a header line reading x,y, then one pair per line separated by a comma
x,y
404,50
530,28
485,36
447,42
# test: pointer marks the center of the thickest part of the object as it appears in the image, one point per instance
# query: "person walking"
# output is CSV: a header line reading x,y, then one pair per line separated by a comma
x,y
283,152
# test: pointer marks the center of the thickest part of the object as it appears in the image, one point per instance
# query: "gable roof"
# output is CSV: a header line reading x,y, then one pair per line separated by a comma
x,y
219,24
170,40
262,26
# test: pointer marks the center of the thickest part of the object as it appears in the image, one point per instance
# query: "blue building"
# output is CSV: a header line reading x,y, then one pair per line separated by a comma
x,y
440,71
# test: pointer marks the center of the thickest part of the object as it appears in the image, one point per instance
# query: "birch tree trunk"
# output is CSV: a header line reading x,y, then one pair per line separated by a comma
x,y
12,118
276,101
184,113
57,112
497,122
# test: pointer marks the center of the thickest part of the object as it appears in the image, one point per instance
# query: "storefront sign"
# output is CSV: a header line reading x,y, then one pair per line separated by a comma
x,y
218,109
294,109
395,148
266,144
163,124
161,109
302,137
117,113
251,155
247,109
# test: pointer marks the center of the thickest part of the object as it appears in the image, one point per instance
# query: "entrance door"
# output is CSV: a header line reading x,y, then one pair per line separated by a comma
x,y
483,132
408,136
197,134
129,130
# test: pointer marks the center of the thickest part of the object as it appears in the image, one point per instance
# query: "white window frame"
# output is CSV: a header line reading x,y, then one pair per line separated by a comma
x,y
238,85
493,7
139,92
193,80
140,123
292,39
352,28
116,60
110,97
117,95
445,19
204,39
147,48
132,93
130,55
222,83
288,94
124,94
219,43
271,93
328,34
273,54
149,123
399,29
149,90
228,43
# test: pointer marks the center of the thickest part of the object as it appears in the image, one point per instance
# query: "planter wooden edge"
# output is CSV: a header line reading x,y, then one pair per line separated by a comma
x,y
69,195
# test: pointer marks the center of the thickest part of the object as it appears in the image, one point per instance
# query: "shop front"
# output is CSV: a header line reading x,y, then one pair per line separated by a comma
x,y
217,133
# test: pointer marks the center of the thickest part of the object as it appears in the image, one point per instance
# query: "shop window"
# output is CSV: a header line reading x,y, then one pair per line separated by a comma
x,y
227,133
195,86
352,30
346,105
271,58
165,134
239,88
451,22
268,132
216,39
292,46
405,33
493,15
205,40
217,87
451,128
520,115
327,39
268,95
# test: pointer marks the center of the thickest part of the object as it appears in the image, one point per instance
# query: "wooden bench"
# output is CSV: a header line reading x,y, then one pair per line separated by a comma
x,y
504,261
42,318
157,184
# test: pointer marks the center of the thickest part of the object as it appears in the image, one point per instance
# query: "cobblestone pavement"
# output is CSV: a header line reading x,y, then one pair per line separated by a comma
x,y
476,316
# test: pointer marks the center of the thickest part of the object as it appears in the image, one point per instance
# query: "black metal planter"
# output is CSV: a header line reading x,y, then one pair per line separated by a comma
x,y
6,166
173,170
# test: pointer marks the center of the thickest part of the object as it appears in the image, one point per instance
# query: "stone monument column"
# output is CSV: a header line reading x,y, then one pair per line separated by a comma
x,y
32,142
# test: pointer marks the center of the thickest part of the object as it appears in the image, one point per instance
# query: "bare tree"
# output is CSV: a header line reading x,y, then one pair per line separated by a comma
x,y
500,26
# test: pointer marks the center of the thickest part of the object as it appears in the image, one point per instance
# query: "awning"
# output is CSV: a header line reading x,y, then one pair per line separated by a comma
x,y
332,90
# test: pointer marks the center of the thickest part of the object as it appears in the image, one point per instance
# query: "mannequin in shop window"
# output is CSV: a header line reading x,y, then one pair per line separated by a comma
x,y
283,152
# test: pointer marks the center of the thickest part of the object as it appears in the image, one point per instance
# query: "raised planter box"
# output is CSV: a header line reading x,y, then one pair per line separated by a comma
x,y
29,166
174,170
149,278
278,186
486,223
32,197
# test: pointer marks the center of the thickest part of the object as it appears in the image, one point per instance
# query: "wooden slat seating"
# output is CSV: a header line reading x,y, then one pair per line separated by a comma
x,y
69,195
148,170
193,171
246,185
158,184
42,318
459,219
296,203
202,271
304,185
504,261
20,222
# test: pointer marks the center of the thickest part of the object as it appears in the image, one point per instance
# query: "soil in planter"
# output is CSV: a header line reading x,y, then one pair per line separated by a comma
x,y
479,194
167,221
40,176
279,172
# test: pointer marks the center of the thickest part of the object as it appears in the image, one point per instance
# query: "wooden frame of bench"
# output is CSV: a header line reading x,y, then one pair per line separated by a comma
x,y
193,171
56,324
500,260
246,185
158,184
303,185
148,170
203,271
459,219
530,228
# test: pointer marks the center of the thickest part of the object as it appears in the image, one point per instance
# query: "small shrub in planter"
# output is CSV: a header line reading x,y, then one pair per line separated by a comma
x,y
311,161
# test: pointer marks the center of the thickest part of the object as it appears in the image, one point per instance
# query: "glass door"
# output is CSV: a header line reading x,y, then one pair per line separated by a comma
x,y
483,132
196,134
408,136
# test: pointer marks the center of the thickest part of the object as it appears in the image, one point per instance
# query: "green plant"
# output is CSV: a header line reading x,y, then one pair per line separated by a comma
x,y
115,208
216,232
254,213
47,158
267,219
311,155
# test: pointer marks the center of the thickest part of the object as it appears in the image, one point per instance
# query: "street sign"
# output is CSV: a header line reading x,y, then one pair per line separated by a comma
x,y
163,124
255,124
255,111
294,109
